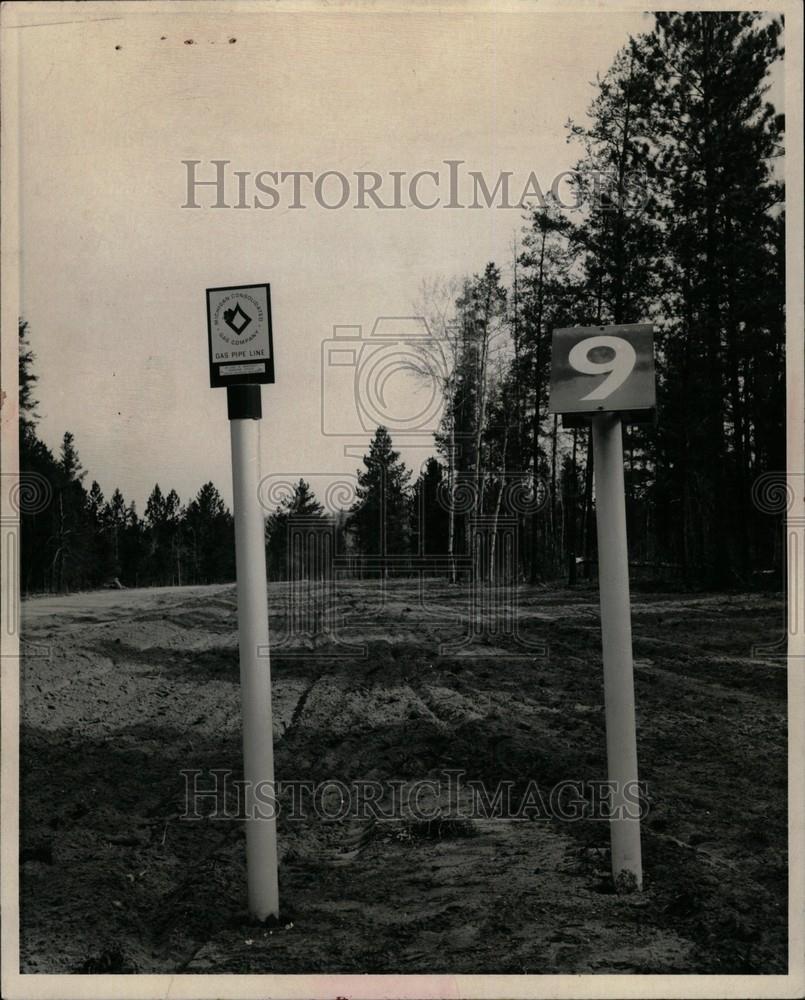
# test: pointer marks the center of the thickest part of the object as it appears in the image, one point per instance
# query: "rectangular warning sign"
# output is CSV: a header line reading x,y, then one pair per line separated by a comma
x,y
240,335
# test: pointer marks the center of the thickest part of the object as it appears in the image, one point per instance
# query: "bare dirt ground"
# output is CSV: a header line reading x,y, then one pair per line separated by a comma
x,y
124,690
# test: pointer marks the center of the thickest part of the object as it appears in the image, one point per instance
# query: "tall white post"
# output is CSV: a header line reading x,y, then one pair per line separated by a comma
x,y
255,673
616,631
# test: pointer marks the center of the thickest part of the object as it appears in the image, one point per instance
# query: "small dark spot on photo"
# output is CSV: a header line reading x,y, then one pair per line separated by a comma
x,y
162,38
118,48
232,41
188,41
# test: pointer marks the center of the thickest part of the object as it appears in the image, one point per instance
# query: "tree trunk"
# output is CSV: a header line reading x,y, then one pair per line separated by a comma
x,y
493,543
587,515
570,513
554,435
535,427
451,514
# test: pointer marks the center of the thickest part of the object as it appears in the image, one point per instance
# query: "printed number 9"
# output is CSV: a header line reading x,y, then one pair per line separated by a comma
x,y
620,366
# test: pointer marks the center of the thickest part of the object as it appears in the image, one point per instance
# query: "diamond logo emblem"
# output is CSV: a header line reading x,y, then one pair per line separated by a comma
x,y
236,319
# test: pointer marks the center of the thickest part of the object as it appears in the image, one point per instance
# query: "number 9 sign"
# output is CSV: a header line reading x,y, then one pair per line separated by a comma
x,y
603,369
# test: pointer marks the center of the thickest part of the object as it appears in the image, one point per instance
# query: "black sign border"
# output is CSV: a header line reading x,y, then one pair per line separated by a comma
x,y
220,381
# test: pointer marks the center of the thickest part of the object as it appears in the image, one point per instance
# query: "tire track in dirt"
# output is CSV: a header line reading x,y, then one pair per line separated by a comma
x,y
394,896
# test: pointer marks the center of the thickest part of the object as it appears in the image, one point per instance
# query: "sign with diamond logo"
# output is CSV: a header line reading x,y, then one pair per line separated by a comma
x,y
240,336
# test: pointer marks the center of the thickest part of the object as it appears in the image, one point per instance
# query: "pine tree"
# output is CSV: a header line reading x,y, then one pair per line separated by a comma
x,y
157,539
172,527
102,564
618,234
70,463
380,514
548,299
714,143
617,231
37,463
27,380
155,508
115,517
133,550
209,535
72,531
429,514
481,309
96,503
300,505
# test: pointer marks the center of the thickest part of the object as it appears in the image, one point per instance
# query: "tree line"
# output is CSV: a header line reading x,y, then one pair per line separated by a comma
x,y
73,538
695,246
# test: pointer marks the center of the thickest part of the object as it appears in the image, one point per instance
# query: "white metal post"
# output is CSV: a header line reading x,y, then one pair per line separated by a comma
x,y
616,631
255,674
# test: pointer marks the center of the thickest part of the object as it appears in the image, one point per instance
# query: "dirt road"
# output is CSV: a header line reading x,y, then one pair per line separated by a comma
x,y
123,691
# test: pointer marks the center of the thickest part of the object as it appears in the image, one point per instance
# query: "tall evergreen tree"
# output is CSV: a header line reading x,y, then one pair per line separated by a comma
x,y
115,517
172,537
300,505
157,531
102,559
155,508
38,543
429,512
715,141
27,380
548,299
380,514
71,564
210,537
618,233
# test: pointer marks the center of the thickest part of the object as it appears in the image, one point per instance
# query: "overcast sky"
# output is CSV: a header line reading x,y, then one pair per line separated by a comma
x,y
114,269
